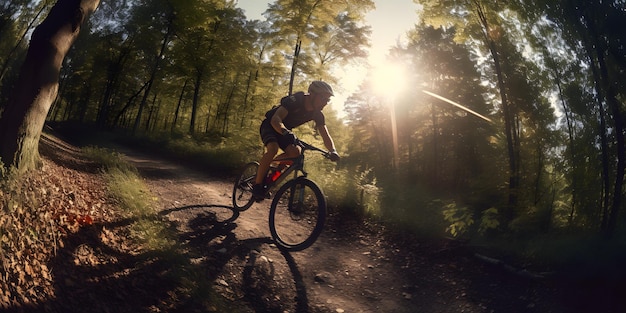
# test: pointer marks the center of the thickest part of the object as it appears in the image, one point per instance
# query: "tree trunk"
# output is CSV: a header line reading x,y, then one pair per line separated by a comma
x,y
194,103
129,103
114,71
512,138
589,43
23,119
615,106
155,68
180,102
294,64
244,106
570,133
227,104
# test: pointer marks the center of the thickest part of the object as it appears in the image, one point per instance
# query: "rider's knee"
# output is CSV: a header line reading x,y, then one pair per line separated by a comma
x,y
292,151
271,148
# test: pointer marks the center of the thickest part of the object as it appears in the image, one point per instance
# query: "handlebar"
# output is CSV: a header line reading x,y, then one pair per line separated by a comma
x,y
307,146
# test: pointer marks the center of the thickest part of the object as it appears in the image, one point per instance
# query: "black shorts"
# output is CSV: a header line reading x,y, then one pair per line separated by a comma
x,y
268,134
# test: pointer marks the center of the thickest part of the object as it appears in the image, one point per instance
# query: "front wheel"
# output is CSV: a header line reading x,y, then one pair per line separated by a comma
x,y
297,214
242,190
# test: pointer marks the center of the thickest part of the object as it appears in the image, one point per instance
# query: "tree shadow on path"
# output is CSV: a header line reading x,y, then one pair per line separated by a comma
x,y
94,271
210,271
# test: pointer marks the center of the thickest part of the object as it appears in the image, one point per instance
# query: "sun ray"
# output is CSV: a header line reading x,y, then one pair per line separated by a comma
x,y
456,105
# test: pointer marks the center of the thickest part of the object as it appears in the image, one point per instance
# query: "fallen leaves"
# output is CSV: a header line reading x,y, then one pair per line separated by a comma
x,y
37,213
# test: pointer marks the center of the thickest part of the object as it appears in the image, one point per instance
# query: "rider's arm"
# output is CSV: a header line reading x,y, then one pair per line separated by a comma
x,y
328,141
277,120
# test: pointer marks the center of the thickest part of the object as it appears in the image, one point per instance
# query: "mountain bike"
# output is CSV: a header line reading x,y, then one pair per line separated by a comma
x,y
298,209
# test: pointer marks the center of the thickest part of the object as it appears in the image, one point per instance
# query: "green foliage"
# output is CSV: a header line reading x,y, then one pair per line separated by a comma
x,y
128,189
198,67
220,155
154,234
355,193
488,221
109,159
368,192
546,164
17,20
460,219
125,185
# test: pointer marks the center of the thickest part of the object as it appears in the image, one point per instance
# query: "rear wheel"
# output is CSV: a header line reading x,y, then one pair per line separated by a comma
x,y
242,190
297,214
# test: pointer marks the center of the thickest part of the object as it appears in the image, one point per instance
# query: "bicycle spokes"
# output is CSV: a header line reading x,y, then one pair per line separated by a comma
x,y
297,214
296,204
242,191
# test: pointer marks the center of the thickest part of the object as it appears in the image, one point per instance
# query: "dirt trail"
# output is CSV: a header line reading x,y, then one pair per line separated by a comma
x,y
330,276
352,267
229,263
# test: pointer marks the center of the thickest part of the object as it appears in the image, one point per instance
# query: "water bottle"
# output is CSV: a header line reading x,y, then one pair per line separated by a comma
x,y
275,175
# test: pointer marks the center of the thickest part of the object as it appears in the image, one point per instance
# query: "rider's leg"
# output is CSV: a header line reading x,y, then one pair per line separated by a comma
x,y
264,164
291,151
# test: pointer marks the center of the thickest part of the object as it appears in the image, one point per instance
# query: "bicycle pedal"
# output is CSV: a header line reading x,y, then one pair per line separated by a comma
x,y
259,199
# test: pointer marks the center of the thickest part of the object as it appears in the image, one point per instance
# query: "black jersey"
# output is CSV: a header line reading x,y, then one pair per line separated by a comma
x,y
297,113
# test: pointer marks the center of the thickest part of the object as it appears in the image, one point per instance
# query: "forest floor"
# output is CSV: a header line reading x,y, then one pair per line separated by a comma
x,y
355,266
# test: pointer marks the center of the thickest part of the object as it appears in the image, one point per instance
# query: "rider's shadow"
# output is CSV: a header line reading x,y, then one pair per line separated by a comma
x,y
209,237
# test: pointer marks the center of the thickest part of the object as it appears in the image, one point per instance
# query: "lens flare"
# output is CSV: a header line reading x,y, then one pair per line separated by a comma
x,y
456,105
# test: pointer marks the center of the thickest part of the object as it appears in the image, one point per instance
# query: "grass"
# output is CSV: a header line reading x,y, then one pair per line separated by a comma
x,y
216,155
155,235
125,185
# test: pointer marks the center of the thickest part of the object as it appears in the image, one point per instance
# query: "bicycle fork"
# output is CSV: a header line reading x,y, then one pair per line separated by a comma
x,y
296,199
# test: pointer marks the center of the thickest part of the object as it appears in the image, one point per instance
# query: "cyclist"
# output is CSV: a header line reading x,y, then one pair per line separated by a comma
x,y
293,111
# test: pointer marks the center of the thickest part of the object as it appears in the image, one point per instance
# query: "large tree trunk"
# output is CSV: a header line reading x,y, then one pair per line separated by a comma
x,y
23,118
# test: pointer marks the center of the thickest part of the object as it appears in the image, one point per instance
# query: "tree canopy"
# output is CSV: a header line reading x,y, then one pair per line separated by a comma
x,y
549,75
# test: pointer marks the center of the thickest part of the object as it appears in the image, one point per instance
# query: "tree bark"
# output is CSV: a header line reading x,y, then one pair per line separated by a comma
x,y
22,121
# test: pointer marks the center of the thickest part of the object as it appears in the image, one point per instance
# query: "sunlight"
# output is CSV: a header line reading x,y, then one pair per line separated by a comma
x,y
456,105
388,80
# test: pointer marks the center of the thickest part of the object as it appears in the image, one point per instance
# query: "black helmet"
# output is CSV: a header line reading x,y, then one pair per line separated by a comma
x,y
319,86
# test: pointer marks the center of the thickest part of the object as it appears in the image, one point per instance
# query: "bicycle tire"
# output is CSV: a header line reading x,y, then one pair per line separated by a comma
x,y
242,189
297,214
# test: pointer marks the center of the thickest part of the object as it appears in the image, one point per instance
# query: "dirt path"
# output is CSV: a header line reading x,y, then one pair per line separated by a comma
x,y
225,261
353,267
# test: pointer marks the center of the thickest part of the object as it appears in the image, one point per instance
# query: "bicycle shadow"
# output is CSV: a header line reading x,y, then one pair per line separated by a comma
x,y
210,235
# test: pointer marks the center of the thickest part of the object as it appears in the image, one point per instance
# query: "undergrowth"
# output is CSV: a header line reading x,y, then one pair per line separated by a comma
x,y
358,191
125,185
44,208
154,234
